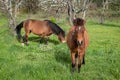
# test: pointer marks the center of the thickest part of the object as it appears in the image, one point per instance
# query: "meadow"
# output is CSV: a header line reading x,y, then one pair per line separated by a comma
x,y
38,62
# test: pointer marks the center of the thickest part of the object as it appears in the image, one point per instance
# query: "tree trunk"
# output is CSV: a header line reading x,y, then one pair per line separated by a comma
x,y
71,11
11,8
104,8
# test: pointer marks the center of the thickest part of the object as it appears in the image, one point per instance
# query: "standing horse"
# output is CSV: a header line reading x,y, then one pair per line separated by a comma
x,y
77,41
42,28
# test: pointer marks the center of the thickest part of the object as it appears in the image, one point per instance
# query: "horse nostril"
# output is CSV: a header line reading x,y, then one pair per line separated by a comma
x,y
79,42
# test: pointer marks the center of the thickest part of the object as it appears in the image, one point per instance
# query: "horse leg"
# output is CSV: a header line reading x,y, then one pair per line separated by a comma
x,y
25,39
80,58
41,39
73,61
76,57
83,62
47,40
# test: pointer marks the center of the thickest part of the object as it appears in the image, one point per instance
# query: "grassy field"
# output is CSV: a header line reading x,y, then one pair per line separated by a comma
x,y
38,62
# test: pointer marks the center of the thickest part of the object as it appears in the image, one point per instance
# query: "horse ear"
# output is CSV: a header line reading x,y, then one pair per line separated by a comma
x,y
74,22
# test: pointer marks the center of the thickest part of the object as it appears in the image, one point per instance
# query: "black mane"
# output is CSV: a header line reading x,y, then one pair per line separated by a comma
x,y
78,22
56,29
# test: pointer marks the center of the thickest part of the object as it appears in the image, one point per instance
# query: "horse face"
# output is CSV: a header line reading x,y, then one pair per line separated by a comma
x,y
61,38
79,35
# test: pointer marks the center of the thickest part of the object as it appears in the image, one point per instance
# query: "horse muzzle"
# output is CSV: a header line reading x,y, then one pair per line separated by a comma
x,y
63,41
79,43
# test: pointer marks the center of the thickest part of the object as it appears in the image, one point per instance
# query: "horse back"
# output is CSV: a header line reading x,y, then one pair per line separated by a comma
x,y
31,23
37,27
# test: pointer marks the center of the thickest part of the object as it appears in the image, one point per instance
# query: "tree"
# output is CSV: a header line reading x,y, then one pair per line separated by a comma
x,y
30,6
71,11
10,8
76,7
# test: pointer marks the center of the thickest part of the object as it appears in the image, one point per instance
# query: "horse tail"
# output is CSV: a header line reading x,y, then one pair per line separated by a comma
x,y
55,28
18,30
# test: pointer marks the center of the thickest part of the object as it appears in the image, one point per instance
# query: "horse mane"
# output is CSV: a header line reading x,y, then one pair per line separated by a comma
x,y
56,29
78,22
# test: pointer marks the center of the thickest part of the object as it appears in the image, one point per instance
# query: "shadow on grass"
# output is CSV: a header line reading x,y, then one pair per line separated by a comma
x,y
106,24
110,25
37,39
62,57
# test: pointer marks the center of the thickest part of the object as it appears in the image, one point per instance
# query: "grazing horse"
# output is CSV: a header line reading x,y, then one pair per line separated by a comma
x,y
77,41
42,28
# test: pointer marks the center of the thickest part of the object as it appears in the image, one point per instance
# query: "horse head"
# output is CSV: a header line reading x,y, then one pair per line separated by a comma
x,y
79,30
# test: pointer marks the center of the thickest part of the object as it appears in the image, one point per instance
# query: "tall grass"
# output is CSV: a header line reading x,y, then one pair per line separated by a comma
x,y
38,62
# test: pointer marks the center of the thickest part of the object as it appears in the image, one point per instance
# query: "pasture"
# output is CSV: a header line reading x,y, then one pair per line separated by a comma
x,y
38,62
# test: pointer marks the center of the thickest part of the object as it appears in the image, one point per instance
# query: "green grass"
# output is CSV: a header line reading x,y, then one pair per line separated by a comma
x,y
36,62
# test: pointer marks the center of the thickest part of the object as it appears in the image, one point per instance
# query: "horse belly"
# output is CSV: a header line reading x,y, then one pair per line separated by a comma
x,y
37,31
42,32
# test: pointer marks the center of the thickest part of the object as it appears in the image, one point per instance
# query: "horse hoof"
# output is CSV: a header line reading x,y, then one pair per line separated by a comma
x,y
63,41
73,70
22,44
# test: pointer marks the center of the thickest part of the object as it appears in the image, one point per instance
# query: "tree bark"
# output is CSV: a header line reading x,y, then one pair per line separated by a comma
x,y
71,11
11,8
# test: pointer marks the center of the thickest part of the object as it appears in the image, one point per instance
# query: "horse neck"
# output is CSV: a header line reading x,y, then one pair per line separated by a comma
x,y
60,35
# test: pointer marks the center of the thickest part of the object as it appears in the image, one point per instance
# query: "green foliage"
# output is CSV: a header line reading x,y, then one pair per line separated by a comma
x,y
52,18
38,62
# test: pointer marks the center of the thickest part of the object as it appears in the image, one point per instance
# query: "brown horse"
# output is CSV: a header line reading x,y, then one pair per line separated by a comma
x,y
42,28
77,41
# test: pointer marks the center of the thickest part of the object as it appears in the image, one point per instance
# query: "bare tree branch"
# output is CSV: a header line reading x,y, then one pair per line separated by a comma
x,y
10,7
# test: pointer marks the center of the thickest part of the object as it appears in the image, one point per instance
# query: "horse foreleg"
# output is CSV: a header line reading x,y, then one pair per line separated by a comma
x,y
44,38
41,39
73,61
80,59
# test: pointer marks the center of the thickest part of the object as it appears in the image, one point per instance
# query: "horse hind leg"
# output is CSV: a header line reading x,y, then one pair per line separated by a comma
x,y
25,39
83,62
